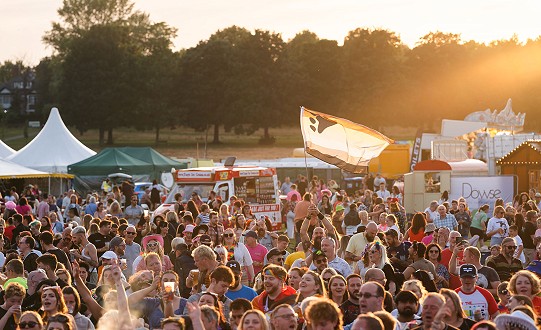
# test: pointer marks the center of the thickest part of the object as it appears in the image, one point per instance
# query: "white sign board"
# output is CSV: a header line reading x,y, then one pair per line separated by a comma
x,y
479,190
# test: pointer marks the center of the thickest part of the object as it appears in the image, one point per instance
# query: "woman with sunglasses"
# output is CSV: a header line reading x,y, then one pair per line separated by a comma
x,y
152,243
237,251
497,227
30,320
60,321
503,297
433,254
338,289
326,275
375,256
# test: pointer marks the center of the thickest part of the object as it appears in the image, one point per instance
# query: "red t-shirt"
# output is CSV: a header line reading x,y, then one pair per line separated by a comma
x,y
537,305
454,281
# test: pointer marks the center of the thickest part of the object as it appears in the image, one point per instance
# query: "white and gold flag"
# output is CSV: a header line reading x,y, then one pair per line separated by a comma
x,y
340,142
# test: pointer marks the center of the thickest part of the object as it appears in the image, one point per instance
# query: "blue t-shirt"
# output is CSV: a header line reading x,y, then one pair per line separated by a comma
x,y
246,293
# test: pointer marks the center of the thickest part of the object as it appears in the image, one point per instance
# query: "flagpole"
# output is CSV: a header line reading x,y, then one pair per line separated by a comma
x,y
304,146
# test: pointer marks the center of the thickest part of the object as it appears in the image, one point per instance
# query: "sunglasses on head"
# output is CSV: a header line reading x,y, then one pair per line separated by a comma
x,y
25,325
59,318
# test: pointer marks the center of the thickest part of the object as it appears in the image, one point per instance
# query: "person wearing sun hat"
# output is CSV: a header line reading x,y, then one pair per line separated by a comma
x,y
152,243
188,234
516,320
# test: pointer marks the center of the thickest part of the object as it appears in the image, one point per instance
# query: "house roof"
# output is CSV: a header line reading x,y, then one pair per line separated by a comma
x,y
534,145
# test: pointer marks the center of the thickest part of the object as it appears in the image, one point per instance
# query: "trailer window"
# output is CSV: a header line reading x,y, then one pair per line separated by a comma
x,y
202,190
256,190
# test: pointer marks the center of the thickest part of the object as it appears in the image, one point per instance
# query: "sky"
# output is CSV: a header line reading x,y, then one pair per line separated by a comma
x,y
24,22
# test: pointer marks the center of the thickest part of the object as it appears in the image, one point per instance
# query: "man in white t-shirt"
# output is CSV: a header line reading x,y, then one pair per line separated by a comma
x,y
477,303
431,211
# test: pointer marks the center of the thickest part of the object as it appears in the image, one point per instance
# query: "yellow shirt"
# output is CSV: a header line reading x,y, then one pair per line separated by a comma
x,y
290,259
20,280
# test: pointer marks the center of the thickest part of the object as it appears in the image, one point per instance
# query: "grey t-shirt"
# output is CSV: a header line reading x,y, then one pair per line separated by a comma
x,y
426,265
485,276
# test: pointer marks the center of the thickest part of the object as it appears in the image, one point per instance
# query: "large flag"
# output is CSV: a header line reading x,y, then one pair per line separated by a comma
x,y
340,142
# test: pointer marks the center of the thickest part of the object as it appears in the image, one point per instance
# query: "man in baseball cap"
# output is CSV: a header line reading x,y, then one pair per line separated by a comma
x,y
476,301
275,257
237,289
205,240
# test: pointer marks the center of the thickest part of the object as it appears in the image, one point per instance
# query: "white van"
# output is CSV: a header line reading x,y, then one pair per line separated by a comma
x,y
257,186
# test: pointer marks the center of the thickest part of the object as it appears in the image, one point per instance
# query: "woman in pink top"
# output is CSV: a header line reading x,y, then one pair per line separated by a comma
x,y
23,207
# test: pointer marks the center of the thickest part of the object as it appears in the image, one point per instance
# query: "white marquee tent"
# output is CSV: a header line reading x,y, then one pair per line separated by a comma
x,y
5,150
9,170
53,149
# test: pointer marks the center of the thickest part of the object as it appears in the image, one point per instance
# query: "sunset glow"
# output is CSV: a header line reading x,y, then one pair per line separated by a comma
x,y
24,23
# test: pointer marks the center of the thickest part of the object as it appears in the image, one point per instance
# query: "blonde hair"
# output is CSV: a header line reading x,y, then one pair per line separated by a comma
x,y
262,319
457,303
419,285
534,280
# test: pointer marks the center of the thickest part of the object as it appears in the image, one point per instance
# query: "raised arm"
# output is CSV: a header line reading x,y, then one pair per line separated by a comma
x,y
137,296
122,299
85,294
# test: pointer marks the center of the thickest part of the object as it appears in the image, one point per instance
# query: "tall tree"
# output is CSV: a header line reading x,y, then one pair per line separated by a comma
x,y
207,85
102,45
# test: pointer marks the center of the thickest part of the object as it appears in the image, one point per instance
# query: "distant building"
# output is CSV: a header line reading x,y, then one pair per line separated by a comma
x,y
19,94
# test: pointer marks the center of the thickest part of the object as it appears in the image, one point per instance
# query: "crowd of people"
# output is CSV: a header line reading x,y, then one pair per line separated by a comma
x,y
339,262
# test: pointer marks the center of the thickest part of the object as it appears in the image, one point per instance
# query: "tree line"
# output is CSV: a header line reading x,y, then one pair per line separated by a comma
x,y
113,67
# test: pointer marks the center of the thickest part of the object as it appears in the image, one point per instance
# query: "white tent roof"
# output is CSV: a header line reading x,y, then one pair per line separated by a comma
x,y
5,150
53,149
9,170
454,128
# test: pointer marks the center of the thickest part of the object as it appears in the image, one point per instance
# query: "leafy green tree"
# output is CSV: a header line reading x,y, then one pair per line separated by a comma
x,y
209,84
102,45
373,72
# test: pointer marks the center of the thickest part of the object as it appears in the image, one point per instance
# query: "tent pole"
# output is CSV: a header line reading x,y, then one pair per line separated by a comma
x,y
49,190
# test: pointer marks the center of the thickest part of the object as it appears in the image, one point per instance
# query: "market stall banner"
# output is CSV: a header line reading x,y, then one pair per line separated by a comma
x,y
479,190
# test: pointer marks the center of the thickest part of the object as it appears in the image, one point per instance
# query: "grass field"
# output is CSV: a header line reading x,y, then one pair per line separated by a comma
x,y
184,142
